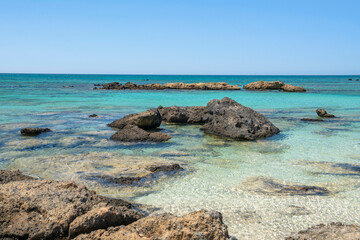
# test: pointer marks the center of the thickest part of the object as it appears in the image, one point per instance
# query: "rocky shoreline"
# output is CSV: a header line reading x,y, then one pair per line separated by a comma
x,y
254,86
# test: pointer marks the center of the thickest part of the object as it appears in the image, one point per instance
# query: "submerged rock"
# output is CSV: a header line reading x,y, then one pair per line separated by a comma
x,y
196,225
132,133
117,180
7,176
33,131
52,210
266,185
181,85
177,114
322,113
228,118
164,168
312,119
274,85
145,120
338,231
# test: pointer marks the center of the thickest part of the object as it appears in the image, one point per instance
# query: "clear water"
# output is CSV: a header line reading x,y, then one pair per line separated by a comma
x,y
216,169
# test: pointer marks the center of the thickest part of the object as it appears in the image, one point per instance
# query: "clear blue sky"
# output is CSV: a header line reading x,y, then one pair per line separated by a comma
x,y
180,37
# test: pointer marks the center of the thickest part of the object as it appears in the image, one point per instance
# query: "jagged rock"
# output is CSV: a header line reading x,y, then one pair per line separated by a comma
x,y
266,185
177,114
33,131
132,133
332,231
322,113
164,168
7,176
145,120
181,85
46,209
230,119
274,85
193,226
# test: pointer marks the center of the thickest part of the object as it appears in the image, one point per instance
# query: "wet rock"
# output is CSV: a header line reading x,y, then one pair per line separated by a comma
x,y
47,209
230,119
338,231
196,225
180,85
164,168
274,85
312,119
33,131
322,113
145,120
7,176
93,115
131,133
118,180
266,185
177,114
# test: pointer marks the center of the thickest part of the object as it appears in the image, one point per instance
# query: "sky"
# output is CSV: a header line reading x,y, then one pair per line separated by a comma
x,y
302,37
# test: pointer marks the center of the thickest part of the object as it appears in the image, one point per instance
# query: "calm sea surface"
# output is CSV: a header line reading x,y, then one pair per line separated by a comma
x,y
219,174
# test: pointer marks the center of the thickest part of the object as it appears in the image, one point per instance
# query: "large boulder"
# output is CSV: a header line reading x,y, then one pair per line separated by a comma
x,y
33,131
132,133
145,120
193,226
332,231
230,119
35,209
273,85
322,113
177,114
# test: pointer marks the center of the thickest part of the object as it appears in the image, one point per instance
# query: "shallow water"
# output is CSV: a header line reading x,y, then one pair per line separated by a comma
x,y
216,169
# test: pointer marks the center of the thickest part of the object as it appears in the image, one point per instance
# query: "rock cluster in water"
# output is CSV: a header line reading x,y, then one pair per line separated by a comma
x,y
41,209
224,117
181,85
274,85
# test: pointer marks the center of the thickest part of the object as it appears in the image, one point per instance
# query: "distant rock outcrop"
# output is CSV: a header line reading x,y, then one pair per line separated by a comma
x,y
275,85
33,131
230,119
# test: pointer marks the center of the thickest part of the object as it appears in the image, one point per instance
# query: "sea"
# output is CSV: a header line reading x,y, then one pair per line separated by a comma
x,y
233,177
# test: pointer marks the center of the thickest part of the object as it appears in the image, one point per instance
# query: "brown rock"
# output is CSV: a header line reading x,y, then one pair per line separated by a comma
x,y
7,176
145,120
46,209
177,114
33,131
131,133
322,113
230,119
332,231
193,226
275,85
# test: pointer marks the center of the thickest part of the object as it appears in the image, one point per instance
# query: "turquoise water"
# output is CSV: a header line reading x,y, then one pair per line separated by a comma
x,y
217,171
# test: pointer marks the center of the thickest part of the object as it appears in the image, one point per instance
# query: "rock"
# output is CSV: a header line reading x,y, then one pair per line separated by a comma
x,y
269,186
322,113
93,115
33,131
145,120
230,119
101,217
312,119
132,133
334,231
275,85
193,226
181,85
47,209
7,176
177,114
350,79
164,168
118,180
